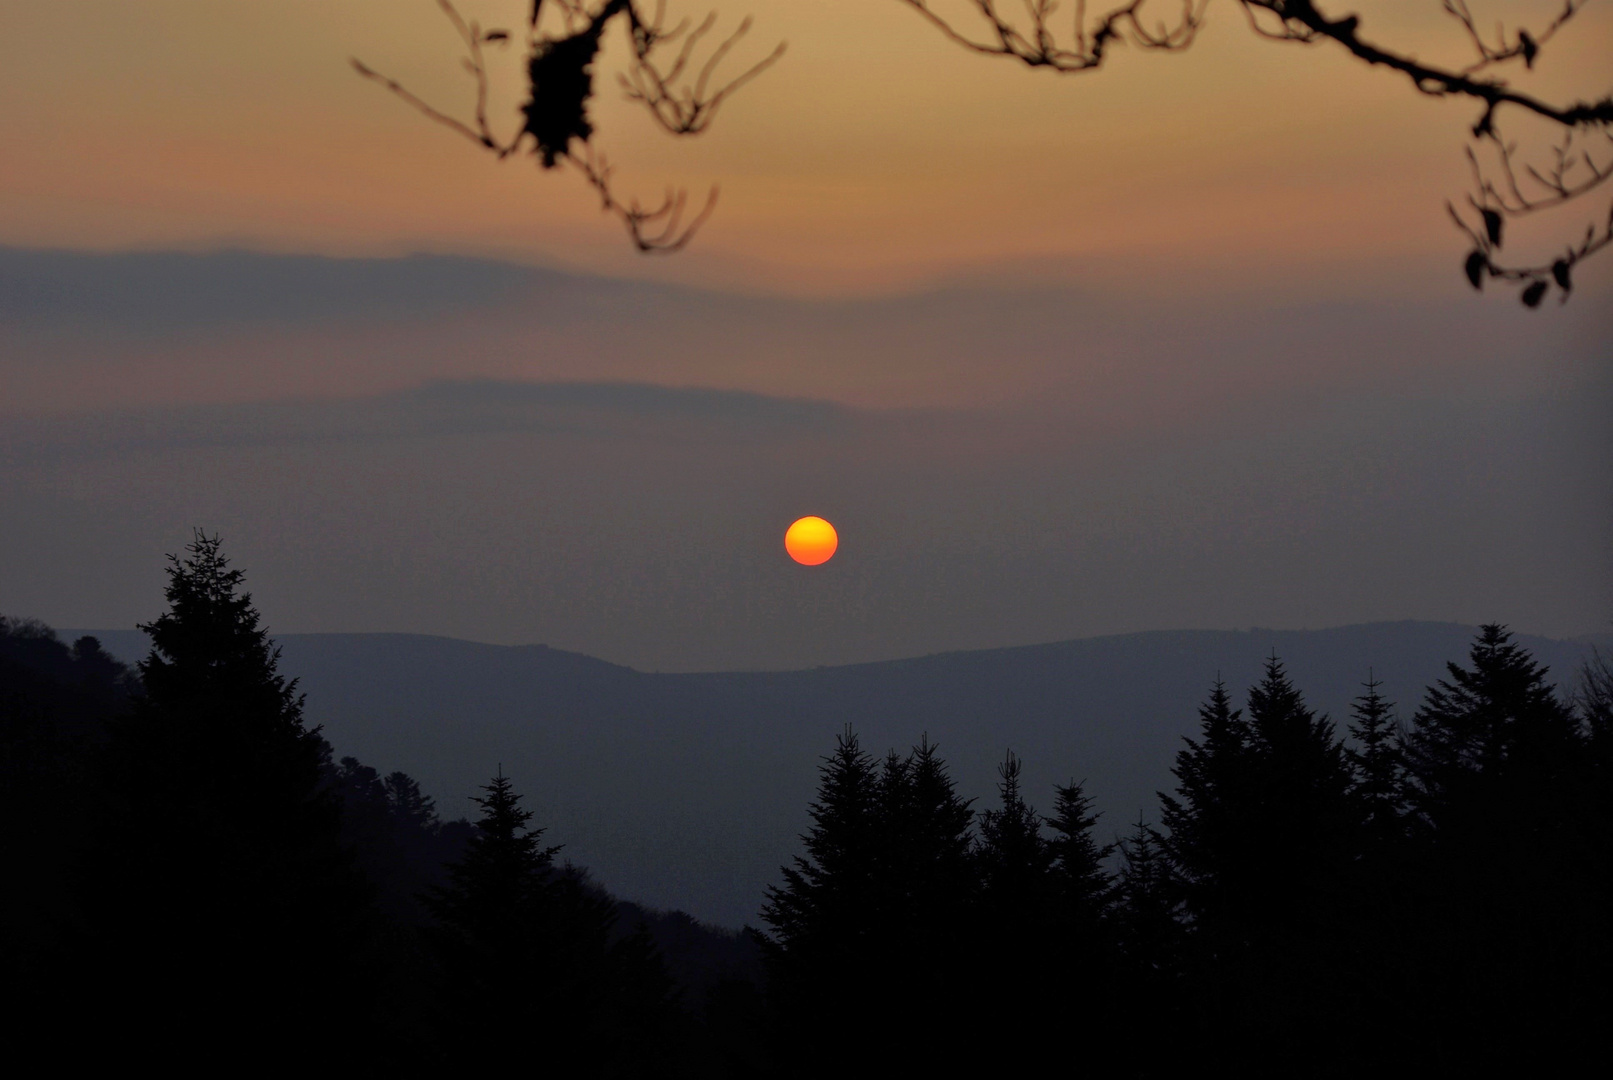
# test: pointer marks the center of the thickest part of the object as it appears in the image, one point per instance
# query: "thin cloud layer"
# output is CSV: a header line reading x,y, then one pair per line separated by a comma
x,y
646,526
474,407
99,332
609,466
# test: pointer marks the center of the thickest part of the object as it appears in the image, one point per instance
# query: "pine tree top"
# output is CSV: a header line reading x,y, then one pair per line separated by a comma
x,y
1077,859
1013,854
500,880
209,650
1485,718
503,833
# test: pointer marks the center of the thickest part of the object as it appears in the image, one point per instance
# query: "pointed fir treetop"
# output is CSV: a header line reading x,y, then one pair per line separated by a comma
x,y
1278,715
1499,712
830,888
1212,761
1222,725
1013,854
921,812
208,650
1013,828
846,808
924,874
1079,876
1207,818
1144,865
503,836
895,785
1376,758
1373,719
221,822
498,885
1473,719
932,790
1147,902
1263,810
1294,749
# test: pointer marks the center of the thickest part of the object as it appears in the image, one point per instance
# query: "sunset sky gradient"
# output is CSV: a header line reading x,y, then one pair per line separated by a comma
x,y
876,155
1183,342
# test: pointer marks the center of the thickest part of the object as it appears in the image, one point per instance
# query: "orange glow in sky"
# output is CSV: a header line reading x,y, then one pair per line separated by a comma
x,y
876,155
811,541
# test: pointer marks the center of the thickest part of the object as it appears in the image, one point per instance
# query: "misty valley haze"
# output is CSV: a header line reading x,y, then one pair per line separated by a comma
x,y
689,791
503,453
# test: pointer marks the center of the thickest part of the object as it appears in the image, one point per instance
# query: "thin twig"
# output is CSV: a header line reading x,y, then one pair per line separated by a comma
x,y
670,234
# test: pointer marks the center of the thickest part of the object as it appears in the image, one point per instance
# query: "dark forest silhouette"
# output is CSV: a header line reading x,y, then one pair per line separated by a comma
x,y
193,879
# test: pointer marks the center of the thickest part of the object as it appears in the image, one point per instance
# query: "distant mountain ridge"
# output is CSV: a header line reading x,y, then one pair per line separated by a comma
x,y
690,790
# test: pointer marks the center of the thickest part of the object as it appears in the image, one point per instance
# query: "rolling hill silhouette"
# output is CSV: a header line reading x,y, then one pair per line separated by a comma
x,y
689,790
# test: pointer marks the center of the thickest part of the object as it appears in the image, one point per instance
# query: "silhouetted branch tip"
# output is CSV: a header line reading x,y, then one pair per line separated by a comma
x,y
651,230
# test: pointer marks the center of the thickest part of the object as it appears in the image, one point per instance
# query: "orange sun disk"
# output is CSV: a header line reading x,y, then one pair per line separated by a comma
x,y
811,540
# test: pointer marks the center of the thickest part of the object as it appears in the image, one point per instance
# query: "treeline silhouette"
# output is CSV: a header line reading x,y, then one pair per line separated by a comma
x,y
193,879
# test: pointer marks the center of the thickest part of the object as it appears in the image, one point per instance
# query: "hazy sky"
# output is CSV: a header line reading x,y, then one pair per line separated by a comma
x,y
876,153
1180,343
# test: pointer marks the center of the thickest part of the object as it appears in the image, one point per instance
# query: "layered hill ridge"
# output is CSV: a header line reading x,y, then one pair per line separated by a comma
x,y
689,790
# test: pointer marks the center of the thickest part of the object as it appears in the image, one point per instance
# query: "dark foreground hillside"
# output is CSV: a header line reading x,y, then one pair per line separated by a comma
x,y
689,791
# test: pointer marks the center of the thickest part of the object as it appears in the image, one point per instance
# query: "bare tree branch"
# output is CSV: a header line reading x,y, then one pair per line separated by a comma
x,y
560,79
658,230
1036,45
687,109
1572,173
1312,25
1523,46
478,137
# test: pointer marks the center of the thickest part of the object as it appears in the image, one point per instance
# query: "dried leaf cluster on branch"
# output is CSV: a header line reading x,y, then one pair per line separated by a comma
x,y
562,39
1581,160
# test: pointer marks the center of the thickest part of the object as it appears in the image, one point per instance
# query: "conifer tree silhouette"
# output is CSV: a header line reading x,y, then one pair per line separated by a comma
x,y
1210,819
925,929
1513,863
821,955
1083,889
1307,828
929,843
926,888
1301,786
876,917
1378,766
1015,859
1262,833
1145,1016
1085,979
494,936
1147,908
829,893
1483,733
1019,930
221,880
529,969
